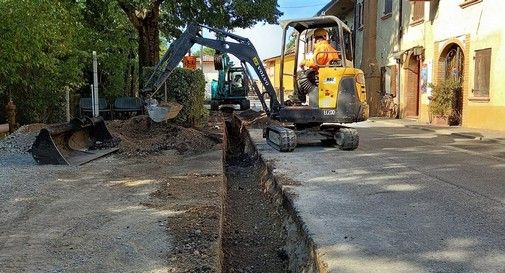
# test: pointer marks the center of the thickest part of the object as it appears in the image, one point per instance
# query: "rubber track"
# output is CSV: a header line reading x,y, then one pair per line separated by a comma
x,y
287,138
350,139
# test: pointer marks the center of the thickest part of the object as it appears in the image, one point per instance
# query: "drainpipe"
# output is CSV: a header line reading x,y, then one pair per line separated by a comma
x,y
354,32
400,36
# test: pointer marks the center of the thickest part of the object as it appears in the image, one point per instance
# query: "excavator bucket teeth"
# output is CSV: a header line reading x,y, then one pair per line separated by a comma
x,y
73,143
281,138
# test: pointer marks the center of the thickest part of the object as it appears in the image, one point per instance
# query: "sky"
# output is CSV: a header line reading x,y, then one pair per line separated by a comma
x,y
267,38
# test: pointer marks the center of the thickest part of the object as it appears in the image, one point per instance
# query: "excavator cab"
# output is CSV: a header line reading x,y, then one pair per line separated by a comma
x,y
230,87
332,91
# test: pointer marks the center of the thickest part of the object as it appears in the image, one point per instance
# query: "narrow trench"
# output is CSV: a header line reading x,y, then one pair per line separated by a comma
x,y
253,237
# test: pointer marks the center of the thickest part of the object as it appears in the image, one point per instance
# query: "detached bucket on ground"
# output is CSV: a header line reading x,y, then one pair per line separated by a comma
x,y
164,111
73,143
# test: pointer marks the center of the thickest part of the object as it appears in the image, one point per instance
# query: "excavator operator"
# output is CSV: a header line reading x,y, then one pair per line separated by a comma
x,y
323,54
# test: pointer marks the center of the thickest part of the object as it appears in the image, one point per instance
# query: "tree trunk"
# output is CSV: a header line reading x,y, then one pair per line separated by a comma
x,y
146,23
149,39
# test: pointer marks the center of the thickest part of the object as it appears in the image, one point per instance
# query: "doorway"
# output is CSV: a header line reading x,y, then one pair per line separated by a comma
x,y
452,62
412,91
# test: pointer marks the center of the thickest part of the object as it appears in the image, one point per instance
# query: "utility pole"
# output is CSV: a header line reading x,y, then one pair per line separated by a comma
x,y
95,86
369,64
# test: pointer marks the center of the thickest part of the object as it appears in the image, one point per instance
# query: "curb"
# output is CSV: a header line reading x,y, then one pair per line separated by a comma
x,y
467,135
447,131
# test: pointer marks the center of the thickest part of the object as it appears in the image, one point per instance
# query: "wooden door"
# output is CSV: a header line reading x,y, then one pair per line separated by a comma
x,y
412,91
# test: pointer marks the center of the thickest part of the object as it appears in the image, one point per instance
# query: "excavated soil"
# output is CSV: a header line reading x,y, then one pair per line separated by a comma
x,y
253,119
139,137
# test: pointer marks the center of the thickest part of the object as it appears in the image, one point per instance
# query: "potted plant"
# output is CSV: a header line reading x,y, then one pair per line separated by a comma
x,y
443,100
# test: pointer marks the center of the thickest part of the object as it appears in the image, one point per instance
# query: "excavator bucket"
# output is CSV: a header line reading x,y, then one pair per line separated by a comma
x,y
163,111
73,143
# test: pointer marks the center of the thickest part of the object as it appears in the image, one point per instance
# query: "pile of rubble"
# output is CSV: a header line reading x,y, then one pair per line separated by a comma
x,y
22,139
139,137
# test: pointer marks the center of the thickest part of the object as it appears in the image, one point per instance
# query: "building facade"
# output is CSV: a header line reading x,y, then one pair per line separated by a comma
x,y
406,46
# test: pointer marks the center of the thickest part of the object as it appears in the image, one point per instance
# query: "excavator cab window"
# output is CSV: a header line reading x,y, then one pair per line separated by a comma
x,y
348,46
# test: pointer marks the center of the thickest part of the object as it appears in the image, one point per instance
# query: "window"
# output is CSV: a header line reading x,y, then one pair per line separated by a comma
x,y
348,45
482,73
467,3
359,16
389,76
388,7
417,12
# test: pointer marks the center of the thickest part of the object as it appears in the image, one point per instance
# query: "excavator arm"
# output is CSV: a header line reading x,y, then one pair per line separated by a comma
x,y
240,47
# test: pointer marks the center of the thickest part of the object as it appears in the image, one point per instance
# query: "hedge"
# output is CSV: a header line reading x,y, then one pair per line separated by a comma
x,y
186,87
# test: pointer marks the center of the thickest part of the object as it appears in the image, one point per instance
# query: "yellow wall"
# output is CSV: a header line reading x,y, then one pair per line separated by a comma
x,y
474,27
289,63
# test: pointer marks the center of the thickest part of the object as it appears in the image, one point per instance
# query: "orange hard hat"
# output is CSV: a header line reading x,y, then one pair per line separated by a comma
x,y
320,32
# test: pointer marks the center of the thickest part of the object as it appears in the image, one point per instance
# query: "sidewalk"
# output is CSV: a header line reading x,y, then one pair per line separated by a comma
x,y
470,133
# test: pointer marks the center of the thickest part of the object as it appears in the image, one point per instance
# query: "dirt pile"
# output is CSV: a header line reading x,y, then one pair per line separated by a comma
x,y
138,138
253,119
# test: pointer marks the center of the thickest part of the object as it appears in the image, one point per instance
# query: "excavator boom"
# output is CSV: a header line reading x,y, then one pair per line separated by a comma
x,y
240,47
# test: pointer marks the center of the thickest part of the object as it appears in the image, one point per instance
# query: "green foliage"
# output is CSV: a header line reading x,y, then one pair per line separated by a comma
x,y
39,56
46,49
227,14
187,87
107,31
443,97
291,43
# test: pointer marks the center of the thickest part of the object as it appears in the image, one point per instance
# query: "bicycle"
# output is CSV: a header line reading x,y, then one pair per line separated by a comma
x,y
389,108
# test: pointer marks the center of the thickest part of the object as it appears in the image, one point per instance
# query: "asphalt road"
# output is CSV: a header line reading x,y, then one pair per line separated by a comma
x,y
407,200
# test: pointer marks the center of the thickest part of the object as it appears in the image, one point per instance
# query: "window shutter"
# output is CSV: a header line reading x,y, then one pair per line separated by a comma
x,y
394,75
482,72
418,11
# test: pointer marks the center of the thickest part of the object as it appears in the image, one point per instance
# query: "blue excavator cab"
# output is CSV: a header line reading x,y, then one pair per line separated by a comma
x,y
231,87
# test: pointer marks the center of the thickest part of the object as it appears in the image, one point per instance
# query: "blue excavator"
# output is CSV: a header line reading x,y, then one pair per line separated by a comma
x,y
231,88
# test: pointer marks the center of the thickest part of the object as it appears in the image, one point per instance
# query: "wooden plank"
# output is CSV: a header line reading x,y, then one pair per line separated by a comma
x,y
4,128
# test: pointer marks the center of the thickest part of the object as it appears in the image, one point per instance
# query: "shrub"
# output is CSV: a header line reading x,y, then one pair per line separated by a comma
x,y
443,97
186,87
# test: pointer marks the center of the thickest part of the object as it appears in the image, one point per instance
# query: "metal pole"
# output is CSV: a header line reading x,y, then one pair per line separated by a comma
x,y
67,104
201,57
95,84
92,100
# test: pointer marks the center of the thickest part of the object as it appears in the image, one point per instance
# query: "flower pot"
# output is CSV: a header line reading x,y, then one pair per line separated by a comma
x,y
440,120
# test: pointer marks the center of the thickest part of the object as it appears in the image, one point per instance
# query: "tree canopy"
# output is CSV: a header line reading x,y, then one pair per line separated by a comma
x,y
150,17
226,14
40,54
